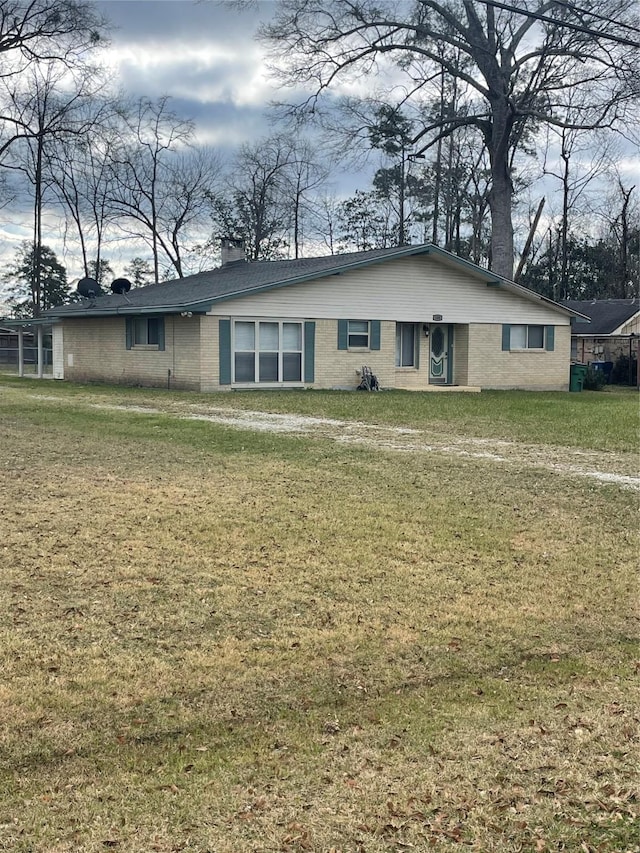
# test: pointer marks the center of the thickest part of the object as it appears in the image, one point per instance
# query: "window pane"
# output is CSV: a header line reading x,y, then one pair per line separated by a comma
x,y
358,340
437,341
292,367
153,332
536,337
518,337
358,333
292,336
268,367
408,344
269,337
245,336
139,331
245,364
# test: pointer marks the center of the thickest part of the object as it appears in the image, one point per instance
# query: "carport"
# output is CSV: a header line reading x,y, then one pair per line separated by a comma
x,y
41,328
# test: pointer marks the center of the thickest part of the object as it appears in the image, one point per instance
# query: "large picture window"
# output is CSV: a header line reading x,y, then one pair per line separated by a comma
x,y
267,351
406,343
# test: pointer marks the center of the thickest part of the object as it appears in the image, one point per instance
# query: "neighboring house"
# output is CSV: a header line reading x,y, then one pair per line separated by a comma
x,y
417,316
612,332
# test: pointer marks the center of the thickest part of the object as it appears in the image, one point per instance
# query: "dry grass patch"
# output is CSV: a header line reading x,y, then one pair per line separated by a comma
x,y
219,641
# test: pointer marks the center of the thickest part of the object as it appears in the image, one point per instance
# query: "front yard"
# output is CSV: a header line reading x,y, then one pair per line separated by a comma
x,y
220,636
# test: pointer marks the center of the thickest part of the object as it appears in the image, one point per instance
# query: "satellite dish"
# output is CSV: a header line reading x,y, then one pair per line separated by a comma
x,y
121,285
88,287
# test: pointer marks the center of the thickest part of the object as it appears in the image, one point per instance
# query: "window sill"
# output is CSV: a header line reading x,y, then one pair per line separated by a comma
x,y
145,347
530,350
407,368
259,386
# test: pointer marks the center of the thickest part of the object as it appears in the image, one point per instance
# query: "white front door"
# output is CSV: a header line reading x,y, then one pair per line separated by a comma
x,y
58,351
438,355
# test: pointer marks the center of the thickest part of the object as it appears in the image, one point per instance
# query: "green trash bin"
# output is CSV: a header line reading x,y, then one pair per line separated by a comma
x,y
577,375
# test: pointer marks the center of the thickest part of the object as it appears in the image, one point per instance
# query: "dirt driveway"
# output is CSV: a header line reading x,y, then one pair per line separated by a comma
x,y
622,469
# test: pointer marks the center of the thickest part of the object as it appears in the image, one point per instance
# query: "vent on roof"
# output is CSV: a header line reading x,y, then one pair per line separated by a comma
x,y
232,250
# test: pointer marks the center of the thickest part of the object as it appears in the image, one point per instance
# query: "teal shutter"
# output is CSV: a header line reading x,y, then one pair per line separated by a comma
x,y
549,338
309,351
417,329
224,345
128,331
342,334
375,334
506,337
161,333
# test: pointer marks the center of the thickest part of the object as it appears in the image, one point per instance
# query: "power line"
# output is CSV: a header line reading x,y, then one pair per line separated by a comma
x,y
564,24
573,8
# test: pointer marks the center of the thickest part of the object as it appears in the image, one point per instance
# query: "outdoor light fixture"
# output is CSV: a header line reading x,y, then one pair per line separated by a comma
x,y
425,329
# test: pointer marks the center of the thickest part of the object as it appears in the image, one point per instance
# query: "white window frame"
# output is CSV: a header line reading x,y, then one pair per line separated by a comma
x,y
358,332
256,352
527,327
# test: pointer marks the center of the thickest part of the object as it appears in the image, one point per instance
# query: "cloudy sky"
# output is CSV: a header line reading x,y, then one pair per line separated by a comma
x,y
200,52
204,55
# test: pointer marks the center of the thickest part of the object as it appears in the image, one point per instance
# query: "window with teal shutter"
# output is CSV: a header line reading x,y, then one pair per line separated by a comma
x,y
144,332
520,337
358,334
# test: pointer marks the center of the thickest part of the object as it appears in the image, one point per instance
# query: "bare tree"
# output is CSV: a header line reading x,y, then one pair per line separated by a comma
x,y
304,176
160,185
80,173
624,235
521,61
37,32
47,111
256,206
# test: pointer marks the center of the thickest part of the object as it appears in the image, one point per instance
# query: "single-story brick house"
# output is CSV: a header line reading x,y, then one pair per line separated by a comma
x,y
613,330
418,316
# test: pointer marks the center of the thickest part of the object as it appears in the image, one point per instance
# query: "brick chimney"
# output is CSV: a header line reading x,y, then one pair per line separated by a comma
x,y
232,251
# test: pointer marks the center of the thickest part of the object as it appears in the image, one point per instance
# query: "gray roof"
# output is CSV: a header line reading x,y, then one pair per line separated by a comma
x,y
197,293
606,315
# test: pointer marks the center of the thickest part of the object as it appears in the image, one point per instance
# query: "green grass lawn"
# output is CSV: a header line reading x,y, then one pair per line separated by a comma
x,y
218,640
598,420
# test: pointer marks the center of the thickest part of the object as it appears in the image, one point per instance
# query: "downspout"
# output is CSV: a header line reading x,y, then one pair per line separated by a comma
x,y
21,352
40,352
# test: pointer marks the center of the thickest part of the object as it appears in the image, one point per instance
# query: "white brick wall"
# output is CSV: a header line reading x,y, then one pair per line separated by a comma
x,y
95,350
490,367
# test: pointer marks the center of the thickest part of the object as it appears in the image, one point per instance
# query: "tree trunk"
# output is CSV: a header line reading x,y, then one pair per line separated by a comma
x,y
565,154
37,231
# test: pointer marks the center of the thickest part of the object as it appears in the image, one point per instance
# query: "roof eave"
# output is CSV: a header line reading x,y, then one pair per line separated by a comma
x,y
199,307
